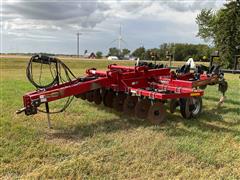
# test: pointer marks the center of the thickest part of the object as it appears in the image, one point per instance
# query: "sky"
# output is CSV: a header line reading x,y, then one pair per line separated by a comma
x,y
51,25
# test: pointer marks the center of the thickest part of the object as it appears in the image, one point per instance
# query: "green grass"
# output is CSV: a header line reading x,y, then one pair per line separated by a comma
x,y
90,141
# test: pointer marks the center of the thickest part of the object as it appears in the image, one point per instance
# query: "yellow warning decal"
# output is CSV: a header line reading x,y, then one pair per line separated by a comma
x,y
195,94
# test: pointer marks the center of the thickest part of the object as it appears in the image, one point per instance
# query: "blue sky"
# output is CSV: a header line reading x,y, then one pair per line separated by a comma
x,y
51,26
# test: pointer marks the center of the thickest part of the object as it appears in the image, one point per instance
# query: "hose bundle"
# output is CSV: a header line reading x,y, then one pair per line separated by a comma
x,y
56,74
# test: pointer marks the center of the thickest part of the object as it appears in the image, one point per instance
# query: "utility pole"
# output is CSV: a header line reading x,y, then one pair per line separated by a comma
x,y
78,34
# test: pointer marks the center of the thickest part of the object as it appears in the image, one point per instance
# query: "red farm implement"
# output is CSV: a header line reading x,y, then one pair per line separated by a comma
x,y
143,90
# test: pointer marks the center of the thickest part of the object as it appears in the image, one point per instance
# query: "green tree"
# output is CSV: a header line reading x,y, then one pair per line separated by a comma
x,y
182,51
125,52
113,52
98,54
222,28
139,53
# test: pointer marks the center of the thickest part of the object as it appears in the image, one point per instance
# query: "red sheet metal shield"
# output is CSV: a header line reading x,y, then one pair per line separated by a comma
x,y
129,105
157,113
141,108
118,102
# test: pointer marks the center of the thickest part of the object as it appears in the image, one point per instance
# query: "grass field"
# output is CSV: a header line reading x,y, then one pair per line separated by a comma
x,y
95,142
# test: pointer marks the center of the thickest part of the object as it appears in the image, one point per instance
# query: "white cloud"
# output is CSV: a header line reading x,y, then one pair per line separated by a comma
x,y
151,21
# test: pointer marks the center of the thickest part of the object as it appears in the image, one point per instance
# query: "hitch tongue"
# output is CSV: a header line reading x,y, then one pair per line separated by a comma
x,y
20,110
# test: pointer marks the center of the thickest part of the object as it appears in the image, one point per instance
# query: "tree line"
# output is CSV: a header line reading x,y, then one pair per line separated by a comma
x,y
219,28
176,51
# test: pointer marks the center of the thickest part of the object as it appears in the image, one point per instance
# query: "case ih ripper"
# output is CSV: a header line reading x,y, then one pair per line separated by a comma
x,y
143,90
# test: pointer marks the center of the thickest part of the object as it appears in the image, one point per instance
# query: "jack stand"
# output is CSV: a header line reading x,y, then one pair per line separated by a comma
x,y
48,115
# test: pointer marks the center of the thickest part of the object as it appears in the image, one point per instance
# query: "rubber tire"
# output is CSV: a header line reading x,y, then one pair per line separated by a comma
x,y
185,107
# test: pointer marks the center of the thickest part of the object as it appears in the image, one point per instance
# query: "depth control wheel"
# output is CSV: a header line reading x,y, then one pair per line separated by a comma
x,y
157,113
129,105
141,108
190,107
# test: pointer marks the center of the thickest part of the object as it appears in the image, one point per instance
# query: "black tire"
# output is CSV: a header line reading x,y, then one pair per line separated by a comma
x,y
190,107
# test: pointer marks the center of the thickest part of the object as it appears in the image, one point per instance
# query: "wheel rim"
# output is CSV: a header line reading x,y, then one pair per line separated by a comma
x,y
196,106
190,107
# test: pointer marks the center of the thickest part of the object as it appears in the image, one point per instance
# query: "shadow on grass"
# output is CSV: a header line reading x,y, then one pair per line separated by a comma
x,y
209,121
84,130
227,101
89,129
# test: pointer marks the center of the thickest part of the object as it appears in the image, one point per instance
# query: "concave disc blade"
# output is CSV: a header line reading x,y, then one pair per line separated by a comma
x,y
157,113
141,108
129,105
118,102
173,105
82,96
90,96
97,97
108,98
